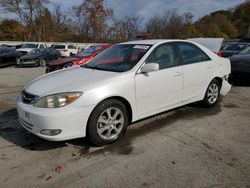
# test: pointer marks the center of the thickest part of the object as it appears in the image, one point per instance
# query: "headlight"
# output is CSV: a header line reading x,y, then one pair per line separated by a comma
x,y
57,100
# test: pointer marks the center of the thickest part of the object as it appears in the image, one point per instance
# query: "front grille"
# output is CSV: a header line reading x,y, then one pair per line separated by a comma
x,y
28,98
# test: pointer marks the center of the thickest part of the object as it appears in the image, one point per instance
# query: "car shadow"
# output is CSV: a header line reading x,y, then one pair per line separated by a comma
x,y
240,80
13,132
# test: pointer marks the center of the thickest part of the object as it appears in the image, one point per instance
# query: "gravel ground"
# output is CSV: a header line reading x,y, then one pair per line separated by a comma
x,y
186,147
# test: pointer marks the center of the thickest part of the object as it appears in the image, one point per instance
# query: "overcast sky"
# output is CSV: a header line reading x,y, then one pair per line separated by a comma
x,y
148,8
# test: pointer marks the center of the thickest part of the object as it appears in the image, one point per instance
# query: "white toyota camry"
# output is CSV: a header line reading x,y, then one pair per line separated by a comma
x,y
125,83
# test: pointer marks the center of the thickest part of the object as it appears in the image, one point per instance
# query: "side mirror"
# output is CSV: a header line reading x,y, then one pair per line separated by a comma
x,y
149,67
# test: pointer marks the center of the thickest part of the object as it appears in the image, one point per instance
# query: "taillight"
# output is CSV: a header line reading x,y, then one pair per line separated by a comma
x,y
219,53
65,50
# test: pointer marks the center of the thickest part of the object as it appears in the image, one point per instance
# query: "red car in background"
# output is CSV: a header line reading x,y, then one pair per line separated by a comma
x,y
79,59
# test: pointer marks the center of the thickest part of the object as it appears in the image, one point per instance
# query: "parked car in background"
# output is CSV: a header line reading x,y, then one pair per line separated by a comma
x,y
232,48
65,49
26,48
240,63
79,59
39,57
8,56
127,82
144,36
7,46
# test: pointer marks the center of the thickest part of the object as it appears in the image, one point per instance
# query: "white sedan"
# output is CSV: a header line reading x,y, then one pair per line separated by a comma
x,y
127,82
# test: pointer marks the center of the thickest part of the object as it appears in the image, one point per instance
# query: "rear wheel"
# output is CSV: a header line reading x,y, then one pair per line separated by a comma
x,y
108,122
212,94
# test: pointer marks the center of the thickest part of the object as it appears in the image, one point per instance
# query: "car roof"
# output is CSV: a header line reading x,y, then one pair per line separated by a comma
x,y
151,42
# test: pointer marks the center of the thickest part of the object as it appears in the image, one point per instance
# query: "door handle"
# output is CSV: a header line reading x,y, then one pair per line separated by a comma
x,y
177,74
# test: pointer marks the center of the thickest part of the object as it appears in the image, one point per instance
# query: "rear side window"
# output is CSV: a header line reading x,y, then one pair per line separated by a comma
x,y
191,53
71,47
59,46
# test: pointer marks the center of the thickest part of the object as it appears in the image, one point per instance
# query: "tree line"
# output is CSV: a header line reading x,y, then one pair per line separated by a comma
x,y
91,21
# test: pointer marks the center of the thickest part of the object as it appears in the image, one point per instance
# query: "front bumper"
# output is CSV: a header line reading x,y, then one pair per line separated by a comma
x,y
72,121
29,63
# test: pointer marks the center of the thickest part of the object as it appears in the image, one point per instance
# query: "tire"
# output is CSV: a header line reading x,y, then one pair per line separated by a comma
x,y
42,63
107,123
212,94
18,62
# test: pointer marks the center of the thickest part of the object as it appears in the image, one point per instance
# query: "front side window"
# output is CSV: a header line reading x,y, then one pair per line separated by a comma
x,y
118,58
164,55
191,53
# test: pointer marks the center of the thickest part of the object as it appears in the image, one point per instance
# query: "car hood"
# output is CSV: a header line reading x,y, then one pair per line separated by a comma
x,y
62,61
31,56
67,80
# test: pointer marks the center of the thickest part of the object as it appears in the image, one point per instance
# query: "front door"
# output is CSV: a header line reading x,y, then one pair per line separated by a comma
x,y
160,90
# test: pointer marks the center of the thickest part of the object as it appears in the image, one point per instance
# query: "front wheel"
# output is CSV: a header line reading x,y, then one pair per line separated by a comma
x,y
108,122
42,63
18,62
212,94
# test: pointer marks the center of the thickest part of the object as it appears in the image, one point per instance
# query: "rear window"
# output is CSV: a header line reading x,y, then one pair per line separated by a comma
x,y
71,47
58,46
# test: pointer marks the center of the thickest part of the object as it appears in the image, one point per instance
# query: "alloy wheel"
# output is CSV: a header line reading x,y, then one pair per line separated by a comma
x,y
213,92
110,123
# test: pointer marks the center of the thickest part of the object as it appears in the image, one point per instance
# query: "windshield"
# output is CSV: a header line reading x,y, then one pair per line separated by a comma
x,y
37,51
30,46
118,58
234,47
88,51
245,51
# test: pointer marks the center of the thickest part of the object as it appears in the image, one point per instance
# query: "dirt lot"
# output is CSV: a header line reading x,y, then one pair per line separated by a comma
x,y
187,147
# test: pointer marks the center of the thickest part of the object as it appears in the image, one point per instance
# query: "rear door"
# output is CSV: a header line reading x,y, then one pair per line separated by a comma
x,y
162,89
197,70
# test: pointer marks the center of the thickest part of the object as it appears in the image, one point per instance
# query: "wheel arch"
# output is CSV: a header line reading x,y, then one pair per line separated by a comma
x,y
218,79
121,99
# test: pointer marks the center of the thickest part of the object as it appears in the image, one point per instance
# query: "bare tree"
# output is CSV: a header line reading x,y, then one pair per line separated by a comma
x,y
95,16
25,10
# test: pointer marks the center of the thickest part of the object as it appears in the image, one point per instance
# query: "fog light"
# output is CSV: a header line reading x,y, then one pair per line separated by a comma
x,y
50,132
